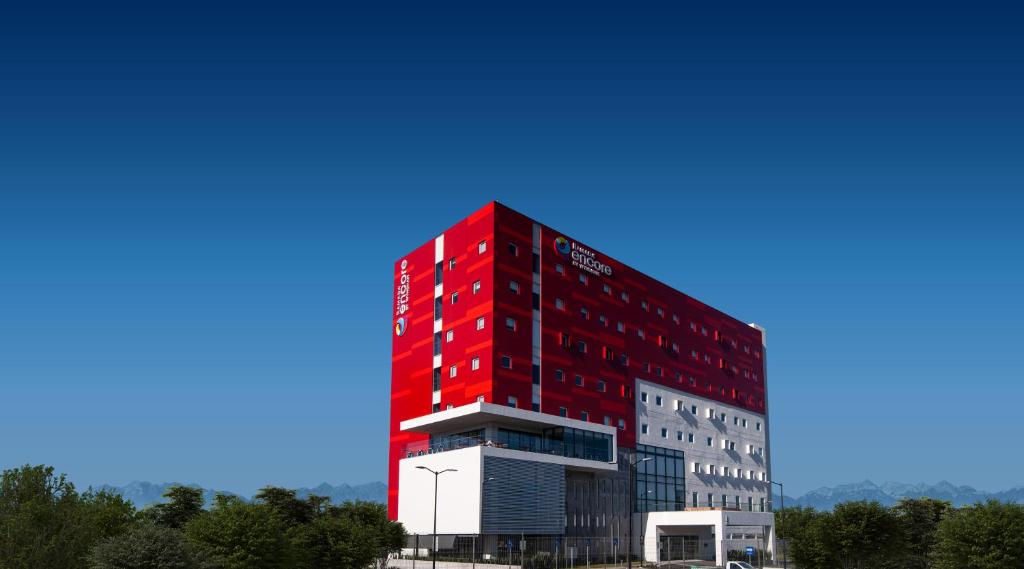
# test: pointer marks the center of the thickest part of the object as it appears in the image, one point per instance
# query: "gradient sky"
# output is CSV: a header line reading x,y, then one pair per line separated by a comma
x,y
200,208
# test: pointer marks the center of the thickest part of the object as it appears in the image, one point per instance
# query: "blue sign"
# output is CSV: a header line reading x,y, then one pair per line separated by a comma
x,y
750,550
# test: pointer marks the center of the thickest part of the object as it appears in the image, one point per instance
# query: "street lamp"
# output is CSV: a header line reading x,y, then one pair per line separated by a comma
x,y
436,473
782,494
633,462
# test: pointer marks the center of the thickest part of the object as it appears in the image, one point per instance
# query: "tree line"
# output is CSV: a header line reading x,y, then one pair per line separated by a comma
x,y
46,523
920,533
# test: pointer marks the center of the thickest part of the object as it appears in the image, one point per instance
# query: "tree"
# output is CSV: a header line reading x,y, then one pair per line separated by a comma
x,y
982,536
919,518
291,509
147,546
242,536
355,534
44,522
800,531
863,535
183,503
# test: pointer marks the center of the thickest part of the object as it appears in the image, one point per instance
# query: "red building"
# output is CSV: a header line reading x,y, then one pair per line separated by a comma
x,y
505,310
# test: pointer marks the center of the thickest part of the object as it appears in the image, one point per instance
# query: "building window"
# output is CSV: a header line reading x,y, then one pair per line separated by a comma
x,y
455,297
559,304
624,296
581,346
449,335
506,362
584,313
479,398
579,380
643,305
607,289
438,303
435,408
735,420
476,364
559,375
758,425
481,247
679,435
643,397
657,400
620,327
661,312
563,340
607,421
480,323
476,287
711,442
622,424
513,286
510,323
563,412
600,385
696,468
643,428
451,264
664,433
437,379
513,249
584,416
452,370
693,409
694,498
603,320
512,401
437,343
583,278
560,269
689,438
640,332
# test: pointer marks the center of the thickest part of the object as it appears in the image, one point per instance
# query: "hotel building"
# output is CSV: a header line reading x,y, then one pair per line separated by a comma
x,y
540,369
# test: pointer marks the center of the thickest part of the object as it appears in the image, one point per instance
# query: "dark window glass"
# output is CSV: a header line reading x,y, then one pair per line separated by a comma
x,y
437,378
437,343
438,303
437,274
536,263
536,374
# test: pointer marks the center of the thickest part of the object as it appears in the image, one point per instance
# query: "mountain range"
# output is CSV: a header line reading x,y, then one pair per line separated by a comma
x,y
143,494
888,493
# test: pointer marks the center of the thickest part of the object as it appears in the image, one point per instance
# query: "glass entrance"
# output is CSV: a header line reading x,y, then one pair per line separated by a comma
x,y
677,547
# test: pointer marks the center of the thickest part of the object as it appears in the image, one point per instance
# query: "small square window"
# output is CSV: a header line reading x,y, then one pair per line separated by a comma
x,y
563,412
679,435
664,433
584,416
579,380
661,312
643,305
620,327
479,398
643,397
689,437
657,400
607,289
510,323
481,247
513,286
711,442
506,362
584,313
451,264
600,385
693,409
560,269
581,346
559,375
602,320
559,304
452,371
449,335
643,429
513,249
476,364
622,423
455,297
583,278
624,296
607,420
476,287
512,401
480,323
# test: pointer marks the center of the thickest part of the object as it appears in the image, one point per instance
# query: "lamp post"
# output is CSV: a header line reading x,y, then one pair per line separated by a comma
x,y
633,462
782,495
473,554
436,473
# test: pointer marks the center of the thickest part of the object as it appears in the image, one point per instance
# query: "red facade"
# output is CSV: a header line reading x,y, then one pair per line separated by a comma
x,y
610,327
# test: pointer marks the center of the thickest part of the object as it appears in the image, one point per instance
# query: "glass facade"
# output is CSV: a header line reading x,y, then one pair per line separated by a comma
x,y
564,441
661,481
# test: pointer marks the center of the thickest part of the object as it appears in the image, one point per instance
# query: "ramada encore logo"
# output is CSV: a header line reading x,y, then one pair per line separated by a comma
x,y
581,257
402,299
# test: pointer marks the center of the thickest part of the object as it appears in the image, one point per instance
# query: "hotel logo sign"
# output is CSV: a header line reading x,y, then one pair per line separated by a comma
x,y
581,257
402,299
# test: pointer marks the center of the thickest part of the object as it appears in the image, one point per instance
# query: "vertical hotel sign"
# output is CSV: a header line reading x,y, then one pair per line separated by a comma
x,y
402,299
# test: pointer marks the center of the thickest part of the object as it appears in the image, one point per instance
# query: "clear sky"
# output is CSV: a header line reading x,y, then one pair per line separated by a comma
x,y
200,208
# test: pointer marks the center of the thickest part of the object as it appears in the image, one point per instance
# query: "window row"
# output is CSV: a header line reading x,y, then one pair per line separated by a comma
x,y
728,472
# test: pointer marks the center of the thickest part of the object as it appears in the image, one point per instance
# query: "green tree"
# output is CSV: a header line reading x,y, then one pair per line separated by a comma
x,y
982,536
242,536
355,534
863,535
44,522
919,518
183,503
291,509
147,546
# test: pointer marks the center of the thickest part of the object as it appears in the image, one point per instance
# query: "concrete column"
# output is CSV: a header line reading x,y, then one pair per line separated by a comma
x,y
720,552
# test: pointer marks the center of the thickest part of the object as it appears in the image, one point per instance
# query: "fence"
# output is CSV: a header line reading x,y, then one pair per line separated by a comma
x,y
512,551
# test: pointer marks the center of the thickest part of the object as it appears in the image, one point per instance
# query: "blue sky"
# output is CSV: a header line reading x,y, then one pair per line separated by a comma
x,y
199,210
